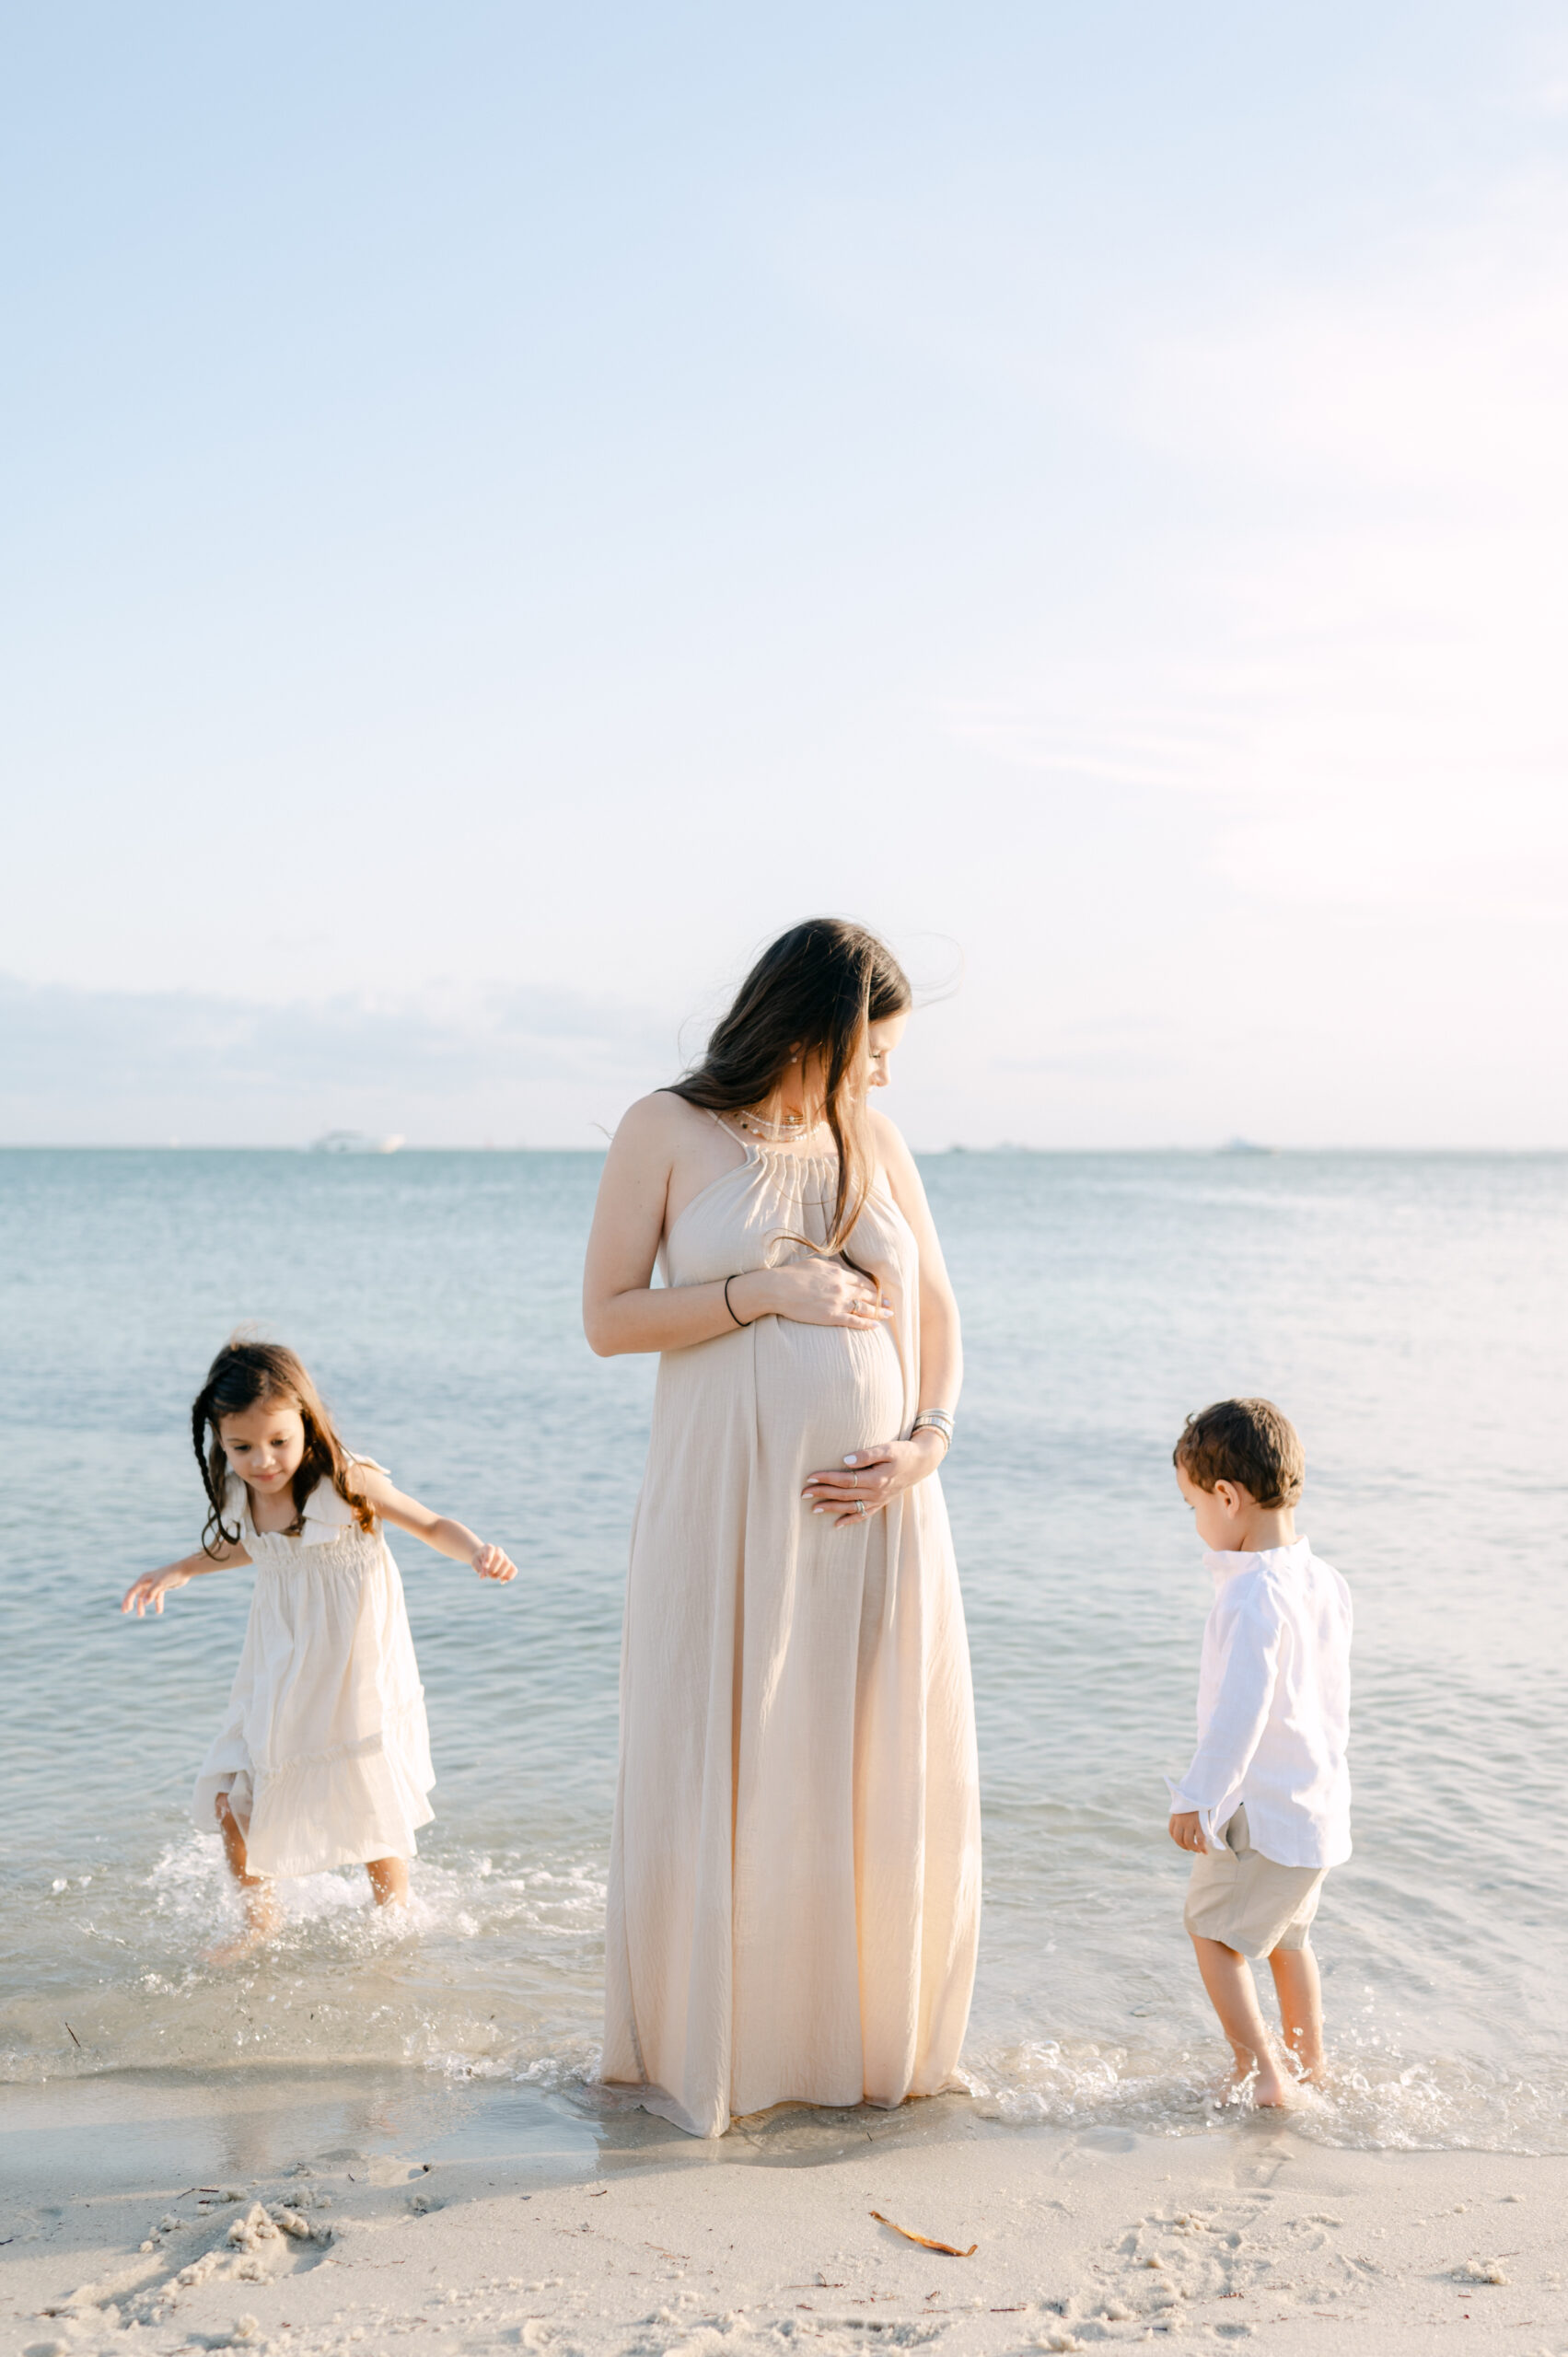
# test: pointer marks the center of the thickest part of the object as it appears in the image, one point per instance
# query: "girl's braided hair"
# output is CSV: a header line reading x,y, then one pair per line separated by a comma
x,y
242,1376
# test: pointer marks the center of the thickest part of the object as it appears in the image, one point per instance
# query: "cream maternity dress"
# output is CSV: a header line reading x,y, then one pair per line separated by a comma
x,y
325,1751
795,1871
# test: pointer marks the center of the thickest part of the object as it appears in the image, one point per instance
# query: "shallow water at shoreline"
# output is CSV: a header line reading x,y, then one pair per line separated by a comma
x,y
1405,1310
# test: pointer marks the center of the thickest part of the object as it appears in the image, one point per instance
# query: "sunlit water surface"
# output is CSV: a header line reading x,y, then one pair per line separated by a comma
x,y
1408,1311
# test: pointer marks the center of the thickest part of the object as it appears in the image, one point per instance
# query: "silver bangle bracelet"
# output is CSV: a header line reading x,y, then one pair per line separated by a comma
x,y
934,1420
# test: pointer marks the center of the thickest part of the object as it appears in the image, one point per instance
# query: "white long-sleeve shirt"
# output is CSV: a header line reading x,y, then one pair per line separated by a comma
x,y
1273,1707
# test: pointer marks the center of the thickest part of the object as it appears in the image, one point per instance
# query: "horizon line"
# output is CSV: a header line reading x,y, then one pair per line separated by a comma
x,y
1230,1150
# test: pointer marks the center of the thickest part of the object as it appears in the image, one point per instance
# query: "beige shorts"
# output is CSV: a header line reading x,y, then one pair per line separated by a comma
x,y
1246,1901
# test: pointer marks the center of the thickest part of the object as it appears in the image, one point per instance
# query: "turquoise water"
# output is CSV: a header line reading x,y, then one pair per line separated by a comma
x,y
1406,1310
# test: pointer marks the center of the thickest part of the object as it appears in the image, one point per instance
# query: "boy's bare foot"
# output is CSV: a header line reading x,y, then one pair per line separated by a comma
x,y
1308,2086
1258,2076
1264,2087
1301,2010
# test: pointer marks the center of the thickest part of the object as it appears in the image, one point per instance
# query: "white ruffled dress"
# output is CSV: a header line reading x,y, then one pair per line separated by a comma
x,y
325,1751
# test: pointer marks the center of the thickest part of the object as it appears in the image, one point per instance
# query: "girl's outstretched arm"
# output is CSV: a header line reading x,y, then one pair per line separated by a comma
x,y
153,1587
437,1530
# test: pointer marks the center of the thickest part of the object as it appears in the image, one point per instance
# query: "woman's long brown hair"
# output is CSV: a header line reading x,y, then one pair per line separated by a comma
x,y
242,1376
812,993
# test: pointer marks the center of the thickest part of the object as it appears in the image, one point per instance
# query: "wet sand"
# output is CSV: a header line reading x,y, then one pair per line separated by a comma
x,y
369,2211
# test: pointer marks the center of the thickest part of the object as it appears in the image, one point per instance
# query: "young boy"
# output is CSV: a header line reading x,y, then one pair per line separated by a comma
x,y
1265,1804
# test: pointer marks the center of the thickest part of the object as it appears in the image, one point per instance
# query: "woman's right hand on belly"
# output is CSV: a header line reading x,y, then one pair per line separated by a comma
x,y
814,1293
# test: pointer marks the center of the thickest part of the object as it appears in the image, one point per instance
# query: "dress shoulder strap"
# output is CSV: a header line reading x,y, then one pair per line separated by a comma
x,y
748,1145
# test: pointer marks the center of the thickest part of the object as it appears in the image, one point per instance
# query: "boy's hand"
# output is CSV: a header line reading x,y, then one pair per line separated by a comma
x,y
492,1565
1187,1833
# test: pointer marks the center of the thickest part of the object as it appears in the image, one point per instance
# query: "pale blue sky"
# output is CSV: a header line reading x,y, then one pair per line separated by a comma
x,y
506,507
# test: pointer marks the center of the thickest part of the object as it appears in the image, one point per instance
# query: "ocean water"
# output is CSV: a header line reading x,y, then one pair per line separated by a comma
x,y
1408,1312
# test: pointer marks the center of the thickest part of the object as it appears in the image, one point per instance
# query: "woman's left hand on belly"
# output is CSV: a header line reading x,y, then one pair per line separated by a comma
x,y
870,1478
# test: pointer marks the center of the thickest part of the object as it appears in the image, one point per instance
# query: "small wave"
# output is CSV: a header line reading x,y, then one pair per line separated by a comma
x,y
574,2072
1375,2098
495,1973
497,1957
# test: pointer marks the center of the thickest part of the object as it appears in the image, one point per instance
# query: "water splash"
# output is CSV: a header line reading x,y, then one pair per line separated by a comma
x,y
1375,2098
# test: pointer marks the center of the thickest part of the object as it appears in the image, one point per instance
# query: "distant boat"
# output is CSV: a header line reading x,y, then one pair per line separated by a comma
x,y
352,1142
1244,1145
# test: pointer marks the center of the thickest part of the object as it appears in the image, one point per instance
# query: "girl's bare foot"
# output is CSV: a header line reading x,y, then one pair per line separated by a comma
x,y
262,1916
389,1881
231,1951
257,1897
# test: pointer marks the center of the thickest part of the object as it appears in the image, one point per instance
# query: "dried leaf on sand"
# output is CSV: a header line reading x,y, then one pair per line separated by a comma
x,y
949,2250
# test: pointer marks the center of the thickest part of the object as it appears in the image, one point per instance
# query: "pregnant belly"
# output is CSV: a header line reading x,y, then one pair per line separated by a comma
x,y
823,1390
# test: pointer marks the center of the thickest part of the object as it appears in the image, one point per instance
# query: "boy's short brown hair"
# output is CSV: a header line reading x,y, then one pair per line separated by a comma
x,y
1247,1442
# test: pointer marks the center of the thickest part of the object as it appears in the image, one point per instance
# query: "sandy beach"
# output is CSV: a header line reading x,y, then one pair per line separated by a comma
x,y
616,2234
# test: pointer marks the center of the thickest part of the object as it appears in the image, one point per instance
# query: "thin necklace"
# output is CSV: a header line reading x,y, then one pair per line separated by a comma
x,y
794,1125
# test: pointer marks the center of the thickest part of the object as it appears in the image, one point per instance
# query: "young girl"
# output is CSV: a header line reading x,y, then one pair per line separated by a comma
x,y
324,1758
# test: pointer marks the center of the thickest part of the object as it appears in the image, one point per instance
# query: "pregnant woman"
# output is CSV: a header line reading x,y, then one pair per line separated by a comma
x,y
795,1871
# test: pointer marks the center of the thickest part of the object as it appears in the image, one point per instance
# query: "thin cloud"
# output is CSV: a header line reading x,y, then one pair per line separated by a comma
x,y
1360,683
134,1064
